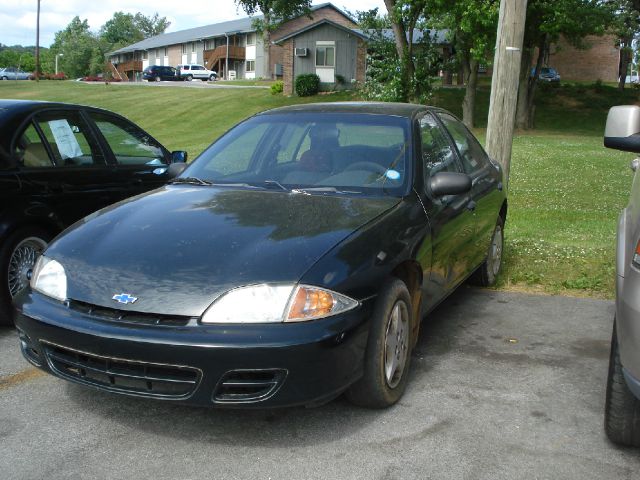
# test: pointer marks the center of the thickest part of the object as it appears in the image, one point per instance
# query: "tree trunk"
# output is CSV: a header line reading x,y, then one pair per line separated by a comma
x,y
525,116
402,47
470,68
266,39
625,59
523,89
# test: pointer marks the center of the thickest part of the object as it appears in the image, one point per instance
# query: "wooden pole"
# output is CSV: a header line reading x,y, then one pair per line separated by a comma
x,y
37,72
504,84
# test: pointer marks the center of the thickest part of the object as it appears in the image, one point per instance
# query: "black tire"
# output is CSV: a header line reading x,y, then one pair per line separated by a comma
x,y
375,389
188,78
158,79
622,408
212,77
5,78
486,274
28,237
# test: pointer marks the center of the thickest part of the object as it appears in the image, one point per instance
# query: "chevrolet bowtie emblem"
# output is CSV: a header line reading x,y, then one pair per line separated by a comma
x,y
124,298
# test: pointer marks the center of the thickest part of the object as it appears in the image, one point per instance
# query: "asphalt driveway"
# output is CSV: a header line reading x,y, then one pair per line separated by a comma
x,y
504,386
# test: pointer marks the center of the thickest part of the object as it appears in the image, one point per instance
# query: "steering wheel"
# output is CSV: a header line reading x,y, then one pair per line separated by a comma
x,y
365,165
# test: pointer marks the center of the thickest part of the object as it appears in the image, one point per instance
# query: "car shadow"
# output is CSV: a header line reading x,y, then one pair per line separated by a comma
x,y
259,427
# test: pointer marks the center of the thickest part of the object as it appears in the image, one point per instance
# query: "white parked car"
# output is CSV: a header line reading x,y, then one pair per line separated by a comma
x,y
189,72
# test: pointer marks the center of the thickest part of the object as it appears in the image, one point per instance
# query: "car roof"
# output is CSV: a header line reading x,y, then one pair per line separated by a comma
x,y
408,110
13,112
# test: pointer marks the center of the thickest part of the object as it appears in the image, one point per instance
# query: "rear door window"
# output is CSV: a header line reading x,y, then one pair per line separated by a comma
x,y
60,139
130,145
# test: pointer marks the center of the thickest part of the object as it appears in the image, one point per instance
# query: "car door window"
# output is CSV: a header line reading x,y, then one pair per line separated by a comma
x,y
67,142
437,152
129,144
471,152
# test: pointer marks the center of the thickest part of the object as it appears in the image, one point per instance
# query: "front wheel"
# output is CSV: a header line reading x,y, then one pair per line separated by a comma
x,y
388,353
487,273
622,408
5,78
212,77
17,258
189,78
158,79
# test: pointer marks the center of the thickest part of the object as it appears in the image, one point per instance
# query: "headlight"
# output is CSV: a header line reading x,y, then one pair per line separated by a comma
x,y
266,303
49,278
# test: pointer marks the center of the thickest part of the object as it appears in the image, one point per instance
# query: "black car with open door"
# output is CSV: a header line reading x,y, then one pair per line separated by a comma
x,y
59,163
290,262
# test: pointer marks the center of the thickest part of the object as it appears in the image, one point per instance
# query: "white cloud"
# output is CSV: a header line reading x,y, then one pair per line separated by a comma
x,y
18,17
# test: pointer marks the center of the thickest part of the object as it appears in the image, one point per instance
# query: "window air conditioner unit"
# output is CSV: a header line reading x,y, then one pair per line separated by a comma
x,y
301,52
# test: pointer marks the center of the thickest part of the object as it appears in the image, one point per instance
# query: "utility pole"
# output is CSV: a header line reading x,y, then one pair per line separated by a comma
x,y
37,72
504,84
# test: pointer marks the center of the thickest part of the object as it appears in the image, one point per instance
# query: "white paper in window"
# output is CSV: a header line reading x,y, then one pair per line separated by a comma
x,y
66,142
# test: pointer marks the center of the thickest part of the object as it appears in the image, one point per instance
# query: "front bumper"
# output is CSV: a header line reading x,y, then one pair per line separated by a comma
x,y
250,365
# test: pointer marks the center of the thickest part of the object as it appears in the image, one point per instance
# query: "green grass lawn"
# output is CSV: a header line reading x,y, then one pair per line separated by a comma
x,y
565,194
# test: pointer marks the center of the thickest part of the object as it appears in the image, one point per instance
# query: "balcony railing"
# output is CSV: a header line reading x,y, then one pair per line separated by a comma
x,y
211,57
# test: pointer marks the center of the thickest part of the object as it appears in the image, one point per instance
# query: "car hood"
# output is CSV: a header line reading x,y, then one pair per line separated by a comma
x,y
178,248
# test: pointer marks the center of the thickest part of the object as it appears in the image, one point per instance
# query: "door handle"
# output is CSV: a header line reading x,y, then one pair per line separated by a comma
x,y
471,206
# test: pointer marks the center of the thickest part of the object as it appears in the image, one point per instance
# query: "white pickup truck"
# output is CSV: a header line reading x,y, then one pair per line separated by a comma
x,y
189,72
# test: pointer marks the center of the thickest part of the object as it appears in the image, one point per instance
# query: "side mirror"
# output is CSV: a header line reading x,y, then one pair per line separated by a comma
x,y
179,156
176,169
623,128
449,183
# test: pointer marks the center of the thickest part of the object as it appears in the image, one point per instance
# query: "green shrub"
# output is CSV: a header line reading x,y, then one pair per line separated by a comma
x,y
307,84
340,80
277,87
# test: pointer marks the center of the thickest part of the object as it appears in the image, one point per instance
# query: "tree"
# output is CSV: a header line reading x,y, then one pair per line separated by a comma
x,y
76,43
626,27
472,25
388,79
547,21
274,13
124,28
404,16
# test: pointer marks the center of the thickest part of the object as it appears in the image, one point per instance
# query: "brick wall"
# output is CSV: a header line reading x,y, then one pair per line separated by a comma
x,y
287,66
361,61
599,62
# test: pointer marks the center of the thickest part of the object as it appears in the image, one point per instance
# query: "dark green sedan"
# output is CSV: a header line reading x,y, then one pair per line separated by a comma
x,y
289,263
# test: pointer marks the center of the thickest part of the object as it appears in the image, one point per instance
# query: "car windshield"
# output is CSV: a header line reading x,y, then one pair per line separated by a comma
x,y
312,152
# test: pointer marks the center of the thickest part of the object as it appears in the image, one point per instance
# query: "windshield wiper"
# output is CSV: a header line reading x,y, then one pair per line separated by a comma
x,y
191,181
275,183
308,190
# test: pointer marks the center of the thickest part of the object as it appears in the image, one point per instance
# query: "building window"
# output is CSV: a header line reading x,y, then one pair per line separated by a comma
x,y
325,56
166,52
184,48
251,65
157,53
193,47
251,38
145,54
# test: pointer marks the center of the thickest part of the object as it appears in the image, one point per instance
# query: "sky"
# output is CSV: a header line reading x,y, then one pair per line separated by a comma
x,y
18,17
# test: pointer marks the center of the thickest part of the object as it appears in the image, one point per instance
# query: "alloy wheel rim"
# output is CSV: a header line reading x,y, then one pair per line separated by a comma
x,y
21,263
496,251
396,344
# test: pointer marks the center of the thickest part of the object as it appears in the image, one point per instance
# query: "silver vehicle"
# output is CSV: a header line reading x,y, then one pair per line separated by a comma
x,y
622,409
12,73
193,71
